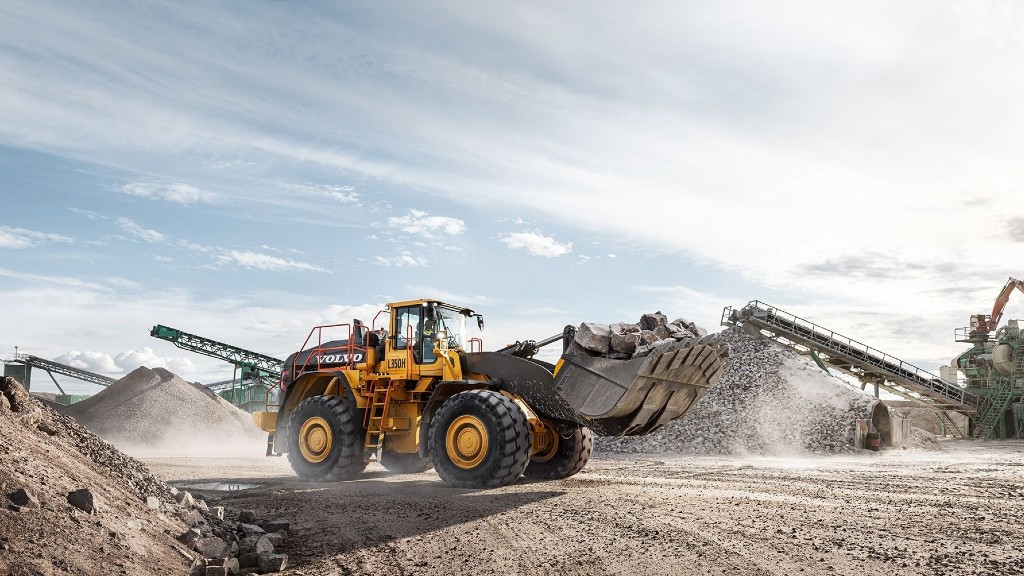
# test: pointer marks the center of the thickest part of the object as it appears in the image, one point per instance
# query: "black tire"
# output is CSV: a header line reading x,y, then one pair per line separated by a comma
x,y
504,440
324,419
570,456
405,463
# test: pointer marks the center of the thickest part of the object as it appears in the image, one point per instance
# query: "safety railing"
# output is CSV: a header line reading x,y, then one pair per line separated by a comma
x,y
320,351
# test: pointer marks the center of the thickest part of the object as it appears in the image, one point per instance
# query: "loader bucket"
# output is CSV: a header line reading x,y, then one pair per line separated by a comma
x,y
636,397
611,397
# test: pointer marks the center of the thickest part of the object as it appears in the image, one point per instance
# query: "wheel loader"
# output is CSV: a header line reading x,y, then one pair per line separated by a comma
x,y
421,393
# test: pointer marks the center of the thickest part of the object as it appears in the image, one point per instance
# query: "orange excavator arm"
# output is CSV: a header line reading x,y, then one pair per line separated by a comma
x,y
990,322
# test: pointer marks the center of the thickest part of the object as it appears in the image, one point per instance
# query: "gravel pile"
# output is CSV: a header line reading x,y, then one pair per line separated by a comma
x,y
155,410
72,504
129,472
922,439
769,400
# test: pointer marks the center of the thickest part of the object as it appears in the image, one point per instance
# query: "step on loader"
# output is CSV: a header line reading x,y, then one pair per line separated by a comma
x,y
422,394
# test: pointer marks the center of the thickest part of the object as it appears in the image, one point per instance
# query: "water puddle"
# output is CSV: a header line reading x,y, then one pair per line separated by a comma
x,y
220,486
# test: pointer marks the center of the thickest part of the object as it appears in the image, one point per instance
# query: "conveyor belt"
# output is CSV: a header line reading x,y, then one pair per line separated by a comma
x,y
50,367
853,357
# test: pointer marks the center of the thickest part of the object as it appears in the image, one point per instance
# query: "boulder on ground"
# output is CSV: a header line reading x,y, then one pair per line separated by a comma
x,y
84,500
212,547
277,525
273,562
24,498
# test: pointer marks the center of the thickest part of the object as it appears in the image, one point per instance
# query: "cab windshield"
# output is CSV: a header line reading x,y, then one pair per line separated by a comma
x,y
453,324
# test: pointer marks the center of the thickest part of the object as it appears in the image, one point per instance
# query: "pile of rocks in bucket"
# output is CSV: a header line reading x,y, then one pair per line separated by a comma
x,y
230,541
622,341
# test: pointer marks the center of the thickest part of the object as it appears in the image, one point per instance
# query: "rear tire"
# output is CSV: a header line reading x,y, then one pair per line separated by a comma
x,y
325,439
568,457
479,439
405,463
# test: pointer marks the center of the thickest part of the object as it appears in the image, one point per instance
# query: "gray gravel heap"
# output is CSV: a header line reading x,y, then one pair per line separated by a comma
x,y
155,409
768,401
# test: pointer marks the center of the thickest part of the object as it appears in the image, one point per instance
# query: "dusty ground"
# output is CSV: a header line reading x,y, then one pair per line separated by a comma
x,y
956,511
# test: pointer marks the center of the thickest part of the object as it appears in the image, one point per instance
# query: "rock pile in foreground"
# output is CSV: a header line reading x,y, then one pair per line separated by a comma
x,y
241,544
769,400
71,503
155,410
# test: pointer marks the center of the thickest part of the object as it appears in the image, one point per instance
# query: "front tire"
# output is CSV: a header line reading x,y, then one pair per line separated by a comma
x,y
405,463
567,457
479,439
325,439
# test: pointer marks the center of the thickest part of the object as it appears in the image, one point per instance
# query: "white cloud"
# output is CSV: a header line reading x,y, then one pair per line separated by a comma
x,y
257,261
144,234
178,193
91,361
131,359
536,244
195,247
20,238
54,280
89,214
123,362
366,313
404,259
446,295
418,222
343,194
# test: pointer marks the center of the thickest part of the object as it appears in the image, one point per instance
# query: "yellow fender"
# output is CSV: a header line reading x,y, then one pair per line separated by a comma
x,y
317,384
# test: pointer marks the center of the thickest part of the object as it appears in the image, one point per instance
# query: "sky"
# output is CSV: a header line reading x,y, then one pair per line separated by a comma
x,y
246,170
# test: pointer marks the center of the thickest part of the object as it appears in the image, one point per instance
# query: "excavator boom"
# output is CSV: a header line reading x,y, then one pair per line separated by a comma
x,y
983,323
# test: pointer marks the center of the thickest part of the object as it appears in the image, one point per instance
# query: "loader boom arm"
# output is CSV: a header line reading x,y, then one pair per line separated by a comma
x,y
528,348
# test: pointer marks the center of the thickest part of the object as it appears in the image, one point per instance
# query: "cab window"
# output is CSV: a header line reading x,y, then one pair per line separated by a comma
x,y
412,330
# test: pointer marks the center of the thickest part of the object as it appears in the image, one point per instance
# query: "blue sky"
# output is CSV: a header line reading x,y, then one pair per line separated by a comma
x,y
245,170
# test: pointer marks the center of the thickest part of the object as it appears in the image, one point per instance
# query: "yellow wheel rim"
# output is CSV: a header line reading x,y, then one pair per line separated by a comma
x,y
467,442
315,439
549,453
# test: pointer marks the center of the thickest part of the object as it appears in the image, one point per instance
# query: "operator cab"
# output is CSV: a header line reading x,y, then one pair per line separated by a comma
x,y
421,325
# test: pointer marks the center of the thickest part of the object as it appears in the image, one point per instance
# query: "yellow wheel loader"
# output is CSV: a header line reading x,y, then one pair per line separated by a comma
x,y
422,394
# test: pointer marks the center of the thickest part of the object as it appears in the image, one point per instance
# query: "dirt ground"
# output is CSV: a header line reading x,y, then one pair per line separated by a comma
x,y
955,511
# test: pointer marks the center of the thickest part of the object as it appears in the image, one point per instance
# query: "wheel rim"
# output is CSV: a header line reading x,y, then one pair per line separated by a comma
x,y
467,441
315,439
548,454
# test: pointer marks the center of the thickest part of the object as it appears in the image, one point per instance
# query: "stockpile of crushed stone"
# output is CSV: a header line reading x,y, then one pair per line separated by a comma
x,y
769,400
71,503
156,411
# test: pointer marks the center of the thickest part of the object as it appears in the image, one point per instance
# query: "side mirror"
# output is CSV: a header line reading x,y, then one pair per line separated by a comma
x,y
480,322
